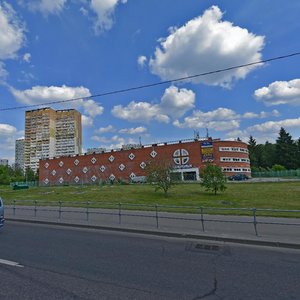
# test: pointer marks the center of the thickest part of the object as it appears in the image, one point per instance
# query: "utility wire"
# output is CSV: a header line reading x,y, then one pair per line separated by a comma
x,y
155,83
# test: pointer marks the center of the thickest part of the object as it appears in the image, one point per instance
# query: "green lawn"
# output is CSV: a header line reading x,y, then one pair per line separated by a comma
x,y
275,195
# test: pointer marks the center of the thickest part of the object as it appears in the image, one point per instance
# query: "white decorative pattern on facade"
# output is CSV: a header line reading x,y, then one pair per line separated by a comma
x,y
46,165
69,171
121,167
46,181
112,177
76,162
181,157
93,160
53,172
84,170
153,153
143,165
131,156
132,175
61,163
102,168
111,158
76,179
94,178
61,180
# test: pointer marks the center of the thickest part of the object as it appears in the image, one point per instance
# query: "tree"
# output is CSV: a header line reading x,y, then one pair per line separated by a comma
x,y
252,147
159,174
286,150
298,153
278,168
213,179
268,155
29,174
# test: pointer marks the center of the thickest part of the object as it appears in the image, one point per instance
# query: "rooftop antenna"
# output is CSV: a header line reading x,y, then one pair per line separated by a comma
x,y
196,135
207,134
140,140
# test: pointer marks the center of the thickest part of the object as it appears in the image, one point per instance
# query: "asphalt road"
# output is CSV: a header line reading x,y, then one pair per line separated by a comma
x,y
67,263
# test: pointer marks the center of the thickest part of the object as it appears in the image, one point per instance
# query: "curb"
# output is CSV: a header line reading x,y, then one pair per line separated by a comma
x,y
215,238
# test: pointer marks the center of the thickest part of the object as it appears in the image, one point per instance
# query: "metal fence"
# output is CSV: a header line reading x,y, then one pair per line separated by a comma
x,y
200,214
283,173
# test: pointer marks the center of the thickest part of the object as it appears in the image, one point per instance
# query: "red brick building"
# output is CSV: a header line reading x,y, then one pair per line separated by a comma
x,y
188,157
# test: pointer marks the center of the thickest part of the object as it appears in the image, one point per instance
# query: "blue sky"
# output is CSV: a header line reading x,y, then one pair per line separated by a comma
x,y
52,50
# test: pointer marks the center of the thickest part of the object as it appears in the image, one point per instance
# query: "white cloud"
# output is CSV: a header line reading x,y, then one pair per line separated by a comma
x,y
3,72
274,126
111,143
106,129
7,130
84,11
142,60
176,102
267,131
27,57
221,119
261,115
45,94
280,92
139,111
91,108
8,135
136,130
86,121
47,7
12,36
204,44
104,10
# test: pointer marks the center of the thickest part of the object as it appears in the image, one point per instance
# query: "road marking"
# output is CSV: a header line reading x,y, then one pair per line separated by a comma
x,y
10,263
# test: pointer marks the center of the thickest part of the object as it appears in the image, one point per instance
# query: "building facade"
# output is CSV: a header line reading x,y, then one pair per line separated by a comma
x,y
49,133
19,154
187,157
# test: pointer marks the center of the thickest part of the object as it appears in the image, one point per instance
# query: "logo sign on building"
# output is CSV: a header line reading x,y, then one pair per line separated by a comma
x,y
207,151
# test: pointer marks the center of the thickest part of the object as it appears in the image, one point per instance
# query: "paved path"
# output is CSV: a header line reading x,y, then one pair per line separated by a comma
x,y
212,227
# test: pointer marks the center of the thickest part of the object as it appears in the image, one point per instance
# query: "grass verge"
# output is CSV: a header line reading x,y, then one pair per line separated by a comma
x,y
261,195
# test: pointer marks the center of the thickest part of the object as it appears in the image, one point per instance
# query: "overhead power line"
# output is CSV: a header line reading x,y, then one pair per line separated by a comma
x,y
155,83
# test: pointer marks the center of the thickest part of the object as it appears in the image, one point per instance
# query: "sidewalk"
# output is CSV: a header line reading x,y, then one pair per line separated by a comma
x,y
239,229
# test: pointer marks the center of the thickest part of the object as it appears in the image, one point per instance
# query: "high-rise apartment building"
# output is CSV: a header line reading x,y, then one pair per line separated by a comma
x,y
50,133
68,139
19,154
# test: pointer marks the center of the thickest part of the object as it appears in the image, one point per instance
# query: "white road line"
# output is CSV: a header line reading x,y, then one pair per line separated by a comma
x,y
10,263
